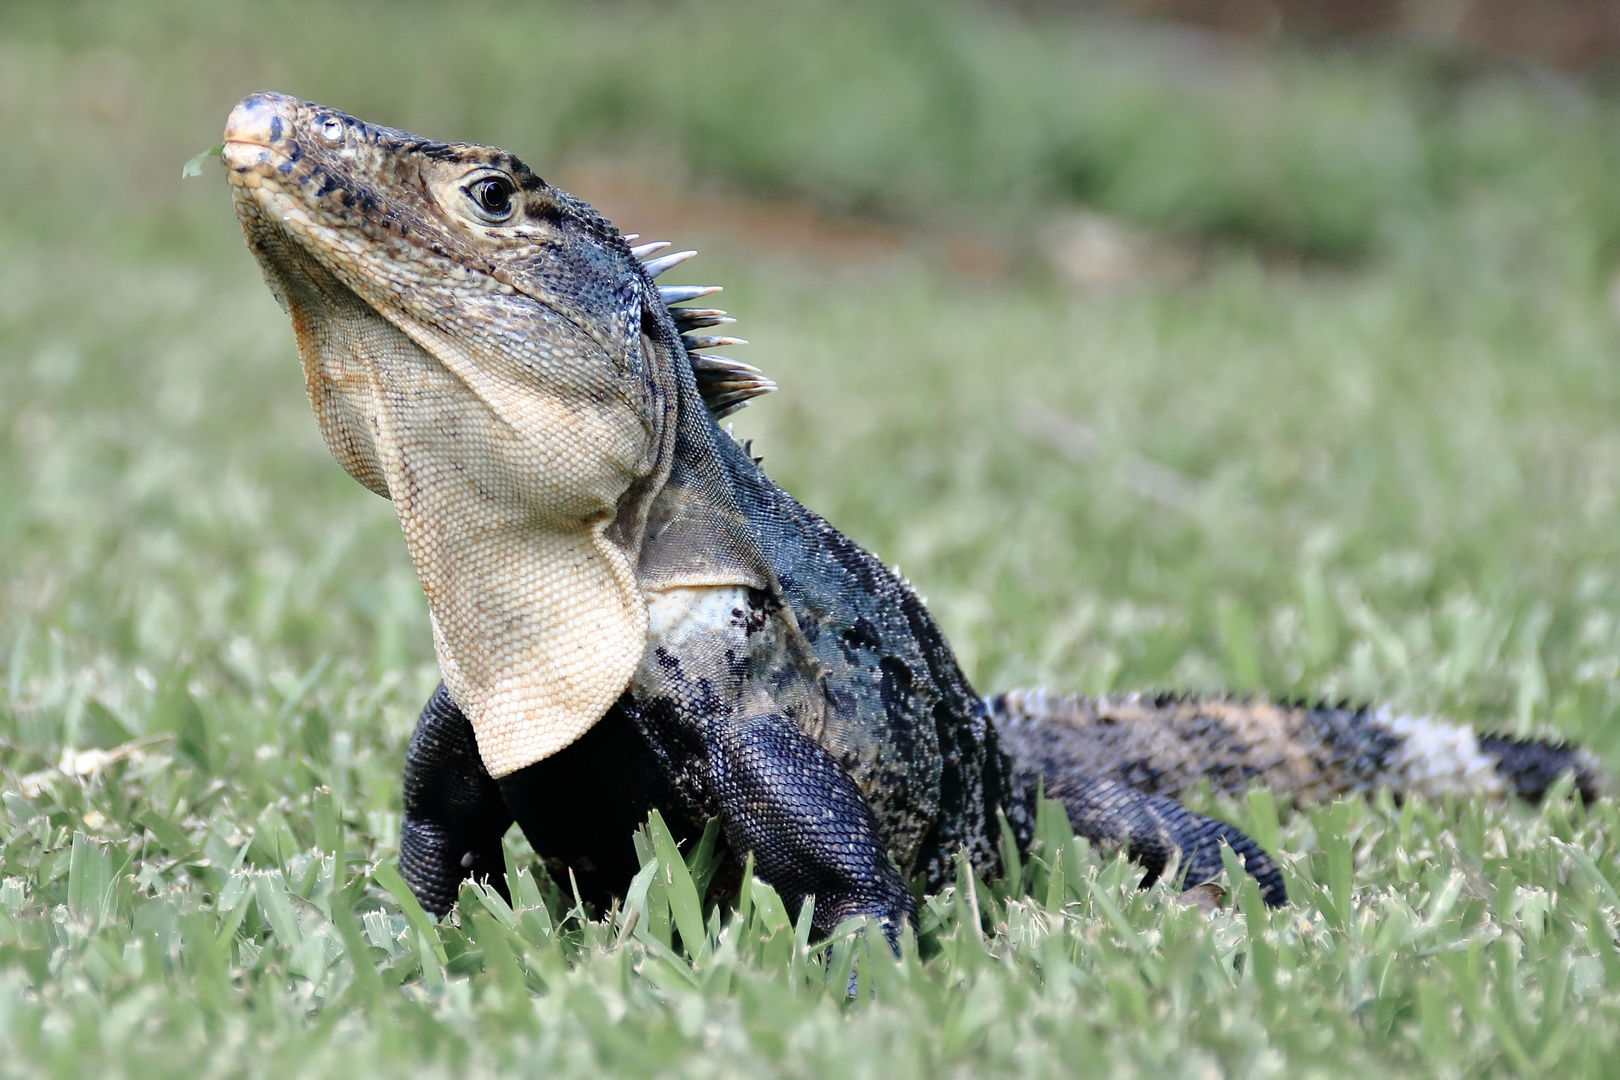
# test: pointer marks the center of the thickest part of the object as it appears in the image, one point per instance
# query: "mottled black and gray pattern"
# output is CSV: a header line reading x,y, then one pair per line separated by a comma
x,y
1163,744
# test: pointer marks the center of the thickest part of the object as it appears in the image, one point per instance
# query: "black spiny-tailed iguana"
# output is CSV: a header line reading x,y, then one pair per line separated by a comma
x,y
629,615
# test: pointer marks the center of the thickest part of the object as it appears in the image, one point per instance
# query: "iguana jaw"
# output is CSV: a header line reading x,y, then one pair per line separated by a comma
x,y
489,383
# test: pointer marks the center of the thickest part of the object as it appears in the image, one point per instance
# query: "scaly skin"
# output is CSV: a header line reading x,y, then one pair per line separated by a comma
x,y
628,613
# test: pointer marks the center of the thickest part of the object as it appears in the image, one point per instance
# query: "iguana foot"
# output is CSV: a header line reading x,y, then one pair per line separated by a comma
x,y
454,814
1152,828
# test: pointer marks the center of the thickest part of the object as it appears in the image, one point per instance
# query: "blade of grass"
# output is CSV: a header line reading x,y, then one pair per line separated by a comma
x,y
684,902
389,879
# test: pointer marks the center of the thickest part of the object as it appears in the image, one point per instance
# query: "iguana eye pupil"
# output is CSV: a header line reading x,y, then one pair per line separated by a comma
x,y
493,194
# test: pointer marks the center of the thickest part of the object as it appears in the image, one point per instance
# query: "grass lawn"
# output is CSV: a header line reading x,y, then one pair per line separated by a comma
x,y
1336,416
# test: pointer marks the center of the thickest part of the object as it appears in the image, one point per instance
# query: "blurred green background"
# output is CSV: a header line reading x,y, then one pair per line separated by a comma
x,y
1263,356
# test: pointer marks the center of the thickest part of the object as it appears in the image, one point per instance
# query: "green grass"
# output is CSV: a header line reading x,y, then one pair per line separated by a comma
x,y
1368,449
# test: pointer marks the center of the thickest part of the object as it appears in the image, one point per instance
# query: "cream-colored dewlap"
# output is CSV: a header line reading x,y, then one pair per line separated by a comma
x,y
503,491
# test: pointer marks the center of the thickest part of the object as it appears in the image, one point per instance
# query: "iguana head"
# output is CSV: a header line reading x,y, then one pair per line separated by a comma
x,y
489,353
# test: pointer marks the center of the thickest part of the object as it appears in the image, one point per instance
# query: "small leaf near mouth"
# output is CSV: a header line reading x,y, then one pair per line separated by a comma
x,y
194,167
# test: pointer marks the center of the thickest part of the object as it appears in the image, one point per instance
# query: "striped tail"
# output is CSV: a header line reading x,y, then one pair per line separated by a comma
x,y
1164,744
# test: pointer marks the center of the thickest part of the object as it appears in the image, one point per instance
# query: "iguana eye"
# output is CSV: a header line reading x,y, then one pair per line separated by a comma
x,y
493,197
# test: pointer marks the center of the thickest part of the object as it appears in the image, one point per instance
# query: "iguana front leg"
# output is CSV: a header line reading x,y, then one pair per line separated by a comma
x,y
578,808
783,797
719,679
454,814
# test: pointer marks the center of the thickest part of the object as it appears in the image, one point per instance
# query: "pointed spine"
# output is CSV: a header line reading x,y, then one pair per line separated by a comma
x,y
676,294
655,267
706,341
698,318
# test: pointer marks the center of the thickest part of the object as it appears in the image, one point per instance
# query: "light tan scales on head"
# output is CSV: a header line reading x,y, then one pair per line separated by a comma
x,y
457,383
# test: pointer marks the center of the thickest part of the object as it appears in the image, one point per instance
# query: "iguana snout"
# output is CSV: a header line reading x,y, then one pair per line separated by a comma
x,y
257,121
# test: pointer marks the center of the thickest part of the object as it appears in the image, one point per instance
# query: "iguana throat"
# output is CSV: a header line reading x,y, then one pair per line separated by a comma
x,y
473,348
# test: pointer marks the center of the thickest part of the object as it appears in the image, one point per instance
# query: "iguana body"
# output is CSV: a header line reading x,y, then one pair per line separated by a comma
x,y
629,615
